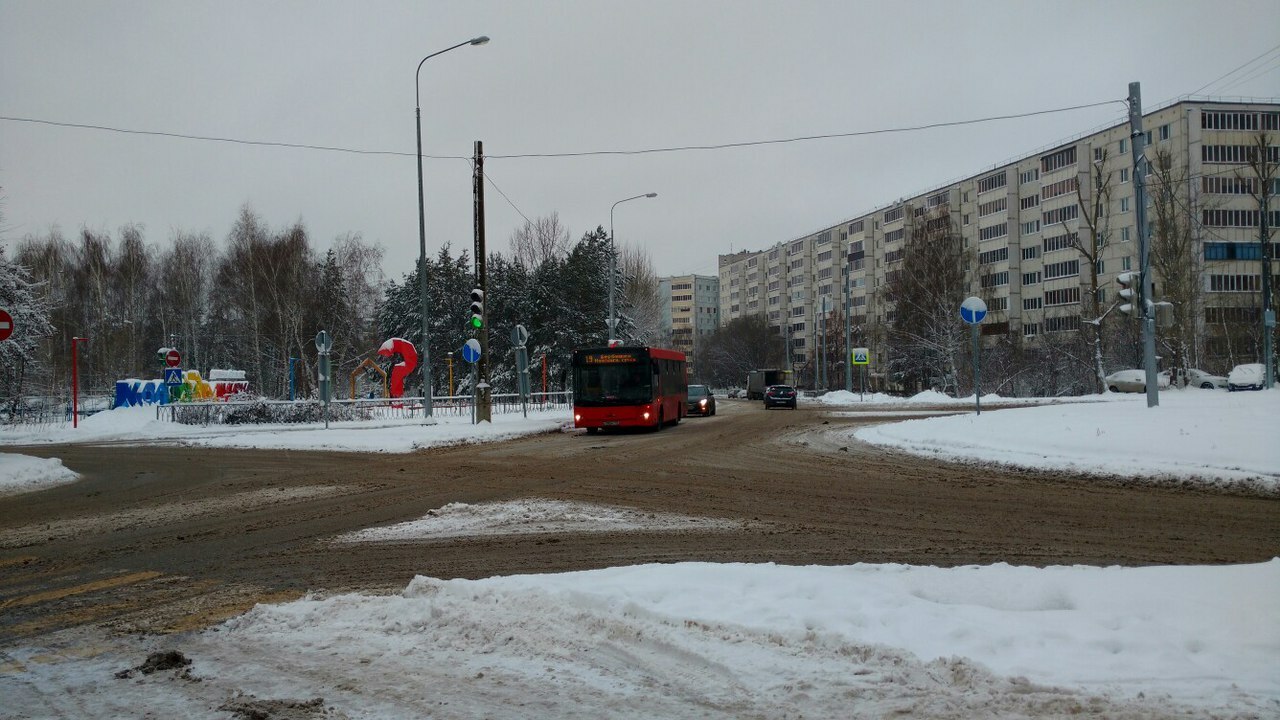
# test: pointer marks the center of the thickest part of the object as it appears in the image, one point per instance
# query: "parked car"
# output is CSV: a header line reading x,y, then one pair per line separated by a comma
x,y
1202,379
1134,381
1246,377
779,396
701,401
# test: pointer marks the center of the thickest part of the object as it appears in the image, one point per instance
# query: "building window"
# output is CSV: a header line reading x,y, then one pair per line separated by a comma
x,y
1033,303
1058,189
894,235
993,256
894,214
1164,132
1060,215
1031,253
1062,324
1060,242
1031,228
1124,234
1235,283
1237,218
1029,176
1000,204
995,279
1031,278
1066,268
1124,205
1029,202
993,232
991,182
1058,160
1235,154
1064,296
1030,329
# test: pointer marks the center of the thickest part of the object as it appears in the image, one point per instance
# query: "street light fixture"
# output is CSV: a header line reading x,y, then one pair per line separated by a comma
x,y
613,259
422,230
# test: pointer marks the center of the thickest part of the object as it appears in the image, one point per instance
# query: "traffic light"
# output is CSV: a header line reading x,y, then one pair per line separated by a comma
x,y
1129,293
477,308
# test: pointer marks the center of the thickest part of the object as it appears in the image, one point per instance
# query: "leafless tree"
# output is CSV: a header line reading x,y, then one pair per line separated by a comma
x,y
540,240
738,347
1093,193
1175,262
641,302
925,291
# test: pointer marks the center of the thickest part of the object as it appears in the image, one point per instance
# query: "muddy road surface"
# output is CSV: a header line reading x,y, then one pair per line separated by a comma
x,y
163,539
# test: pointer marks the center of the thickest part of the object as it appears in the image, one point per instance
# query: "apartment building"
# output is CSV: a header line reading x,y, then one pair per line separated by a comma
x,y
1020,222
690,309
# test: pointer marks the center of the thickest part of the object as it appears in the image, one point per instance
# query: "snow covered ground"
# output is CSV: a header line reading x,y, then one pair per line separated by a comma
x,y
727,641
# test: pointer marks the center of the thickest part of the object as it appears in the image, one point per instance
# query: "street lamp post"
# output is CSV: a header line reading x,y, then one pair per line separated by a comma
x,y
422,230
613,259
75,382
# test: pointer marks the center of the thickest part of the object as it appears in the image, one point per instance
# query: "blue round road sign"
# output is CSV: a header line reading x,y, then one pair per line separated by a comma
x,y
471,350
973,310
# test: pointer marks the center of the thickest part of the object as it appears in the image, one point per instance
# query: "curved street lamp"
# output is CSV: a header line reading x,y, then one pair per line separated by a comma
x,y
422,230
613,259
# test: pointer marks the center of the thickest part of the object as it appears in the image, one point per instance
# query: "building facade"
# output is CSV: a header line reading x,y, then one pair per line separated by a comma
x,y
690,310
1024,224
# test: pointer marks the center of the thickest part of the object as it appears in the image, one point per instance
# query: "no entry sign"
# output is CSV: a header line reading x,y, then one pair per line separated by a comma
x,y
172,358
6,324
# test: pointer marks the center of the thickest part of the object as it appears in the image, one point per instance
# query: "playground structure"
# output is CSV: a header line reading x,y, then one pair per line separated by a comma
x,y
372,367
408,361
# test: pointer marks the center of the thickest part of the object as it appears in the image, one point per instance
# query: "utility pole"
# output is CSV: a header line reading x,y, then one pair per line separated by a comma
x,y
484,407
1146,307
1265,180
848,331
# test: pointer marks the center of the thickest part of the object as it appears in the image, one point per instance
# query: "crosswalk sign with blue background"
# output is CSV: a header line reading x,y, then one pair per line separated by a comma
x,y
861,356
173,376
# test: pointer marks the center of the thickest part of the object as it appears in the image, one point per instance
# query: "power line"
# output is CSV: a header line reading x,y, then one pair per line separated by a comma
x,y
1234,70
805,138
210,138
588,153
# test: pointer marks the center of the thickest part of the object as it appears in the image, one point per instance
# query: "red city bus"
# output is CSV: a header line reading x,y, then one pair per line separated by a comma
x,y
616,387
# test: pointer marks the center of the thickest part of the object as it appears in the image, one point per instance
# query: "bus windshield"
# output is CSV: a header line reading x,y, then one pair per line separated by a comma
x,y
615,379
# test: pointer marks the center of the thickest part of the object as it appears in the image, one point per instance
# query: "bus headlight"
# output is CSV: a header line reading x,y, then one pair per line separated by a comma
x,y
646,416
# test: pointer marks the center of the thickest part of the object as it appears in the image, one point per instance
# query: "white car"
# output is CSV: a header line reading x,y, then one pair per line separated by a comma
x,y
1202,379
1246,377
1192,378
1134,381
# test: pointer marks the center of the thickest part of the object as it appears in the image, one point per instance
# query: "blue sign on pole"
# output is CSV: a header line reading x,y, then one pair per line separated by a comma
x,y
973,310
471,350
173,376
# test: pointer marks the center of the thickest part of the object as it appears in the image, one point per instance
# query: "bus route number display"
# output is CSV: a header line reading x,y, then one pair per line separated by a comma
x,y
608,358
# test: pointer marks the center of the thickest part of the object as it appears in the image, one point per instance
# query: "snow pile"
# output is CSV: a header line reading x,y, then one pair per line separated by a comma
x,y
139,424
533,516
700,640
24,473
1205,435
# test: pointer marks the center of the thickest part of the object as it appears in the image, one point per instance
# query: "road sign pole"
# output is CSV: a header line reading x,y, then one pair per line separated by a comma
x,y
972,311
977,371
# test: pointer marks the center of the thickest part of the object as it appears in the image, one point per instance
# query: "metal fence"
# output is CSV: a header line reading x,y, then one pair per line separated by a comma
x,y
49,411
359,409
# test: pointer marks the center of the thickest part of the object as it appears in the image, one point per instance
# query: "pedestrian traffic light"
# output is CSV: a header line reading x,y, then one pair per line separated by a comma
x,y
477,308
1129,287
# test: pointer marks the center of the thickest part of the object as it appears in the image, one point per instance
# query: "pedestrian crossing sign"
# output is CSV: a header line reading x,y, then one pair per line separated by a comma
x,y
861,356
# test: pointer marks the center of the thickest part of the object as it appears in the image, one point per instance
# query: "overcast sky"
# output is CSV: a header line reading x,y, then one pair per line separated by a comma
x,y
569,77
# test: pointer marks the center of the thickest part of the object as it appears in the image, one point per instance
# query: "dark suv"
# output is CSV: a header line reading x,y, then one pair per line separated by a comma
x,y
779,396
